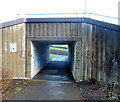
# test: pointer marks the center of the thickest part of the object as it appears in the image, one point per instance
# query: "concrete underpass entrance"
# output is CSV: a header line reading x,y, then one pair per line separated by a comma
x,y
44,68
93,47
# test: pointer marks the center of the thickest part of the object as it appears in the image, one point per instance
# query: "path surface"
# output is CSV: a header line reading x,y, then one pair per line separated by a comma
x,y
48,91
54,82
59,58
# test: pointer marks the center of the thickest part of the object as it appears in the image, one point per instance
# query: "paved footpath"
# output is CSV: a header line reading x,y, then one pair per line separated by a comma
x,y
54,82
38,90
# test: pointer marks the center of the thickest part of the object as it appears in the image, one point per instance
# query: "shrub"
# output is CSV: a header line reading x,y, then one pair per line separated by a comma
x,y
6,80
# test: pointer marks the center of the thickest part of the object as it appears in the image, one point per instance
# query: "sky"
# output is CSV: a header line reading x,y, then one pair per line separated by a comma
x,y
9,9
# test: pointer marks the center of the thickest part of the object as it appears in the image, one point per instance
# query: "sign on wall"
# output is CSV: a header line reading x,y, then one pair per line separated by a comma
x,y
13,47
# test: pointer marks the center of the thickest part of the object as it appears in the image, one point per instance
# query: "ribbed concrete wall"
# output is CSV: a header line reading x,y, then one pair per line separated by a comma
x,y
53,29
14,62
0,55
98,53
97,44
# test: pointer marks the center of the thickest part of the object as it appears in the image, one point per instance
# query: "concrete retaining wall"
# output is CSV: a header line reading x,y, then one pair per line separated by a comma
x,y
72,58
97,46
40,57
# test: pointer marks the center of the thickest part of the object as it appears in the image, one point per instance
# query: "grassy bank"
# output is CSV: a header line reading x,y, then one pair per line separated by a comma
x,y
58,47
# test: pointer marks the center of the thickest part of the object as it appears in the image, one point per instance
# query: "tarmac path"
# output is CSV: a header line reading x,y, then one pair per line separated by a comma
x,y
54,82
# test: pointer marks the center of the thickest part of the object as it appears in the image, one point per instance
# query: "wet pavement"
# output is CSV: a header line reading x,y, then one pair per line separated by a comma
x,y
55,71
54,82
59,58
38,90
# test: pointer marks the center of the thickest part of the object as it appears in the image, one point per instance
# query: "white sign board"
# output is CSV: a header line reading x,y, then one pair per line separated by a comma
x,y
13,47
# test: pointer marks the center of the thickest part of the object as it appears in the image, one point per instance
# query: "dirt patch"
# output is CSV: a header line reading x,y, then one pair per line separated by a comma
x,y
90,92
15,86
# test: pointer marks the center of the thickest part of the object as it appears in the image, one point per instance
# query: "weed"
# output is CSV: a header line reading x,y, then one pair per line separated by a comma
x,y
6,80
20,81
112,91
17,83
17,89
81,89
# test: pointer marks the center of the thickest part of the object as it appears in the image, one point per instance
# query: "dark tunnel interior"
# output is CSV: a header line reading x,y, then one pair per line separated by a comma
x,y
47,66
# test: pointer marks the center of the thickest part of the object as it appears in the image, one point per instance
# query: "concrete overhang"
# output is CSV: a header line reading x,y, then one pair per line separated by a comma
x,y
62,20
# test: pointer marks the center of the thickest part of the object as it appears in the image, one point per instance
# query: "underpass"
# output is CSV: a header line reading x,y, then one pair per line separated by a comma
x,y
57,69
93,47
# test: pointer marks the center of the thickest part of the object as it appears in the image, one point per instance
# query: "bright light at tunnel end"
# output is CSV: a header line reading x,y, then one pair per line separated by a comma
x,y
119,13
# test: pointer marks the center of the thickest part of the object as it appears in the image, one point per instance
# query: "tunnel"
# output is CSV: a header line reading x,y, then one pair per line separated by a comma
x,y
41,64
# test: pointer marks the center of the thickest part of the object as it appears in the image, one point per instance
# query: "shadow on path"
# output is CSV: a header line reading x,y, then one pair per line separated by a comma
x,y
55,71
